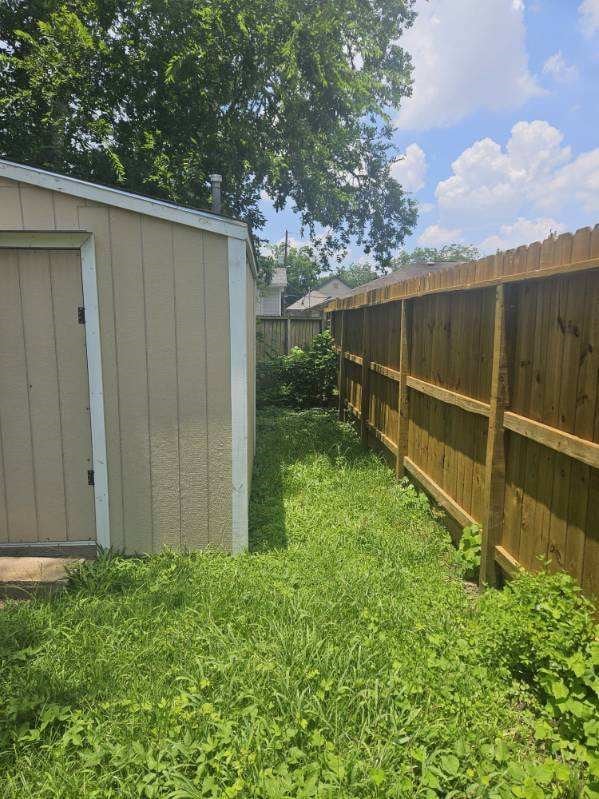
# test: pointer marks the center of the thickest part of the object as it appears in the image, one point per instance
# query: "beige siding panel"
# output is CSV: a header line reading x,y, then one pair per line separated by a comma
x,y
162,380
11,217
14,407
191,370
125,232
44,401
98,222
72,378
38,210
218,394
65,211
3,496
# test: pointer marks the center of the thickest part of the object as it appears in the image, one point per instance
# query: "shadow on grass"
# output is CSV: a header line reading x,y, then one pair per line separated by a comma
x,y
286,437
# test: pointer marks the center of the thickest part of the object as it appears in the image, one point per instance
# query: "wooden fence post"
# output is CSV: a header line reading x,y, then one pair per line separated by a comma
x,y
365,375
340,321
495,460
403,403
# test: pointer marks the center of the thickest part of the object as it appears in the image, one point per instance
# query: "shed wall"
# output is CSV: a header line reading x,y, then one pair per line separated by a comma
x,y
164,320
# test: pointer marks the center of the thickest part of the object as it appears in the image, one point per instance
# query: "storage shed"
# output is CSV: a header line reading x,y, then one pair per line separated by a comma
x,y
127,352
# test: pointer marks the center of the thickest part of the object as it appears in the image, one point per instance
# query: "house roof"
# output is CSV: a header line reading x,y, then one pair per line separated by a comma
x,y
150,206
334,287
311,300
322,294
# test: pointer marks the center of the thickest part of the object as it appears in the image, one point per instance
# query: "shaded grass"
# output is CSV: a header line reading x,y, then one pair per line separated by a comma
x,y
338,659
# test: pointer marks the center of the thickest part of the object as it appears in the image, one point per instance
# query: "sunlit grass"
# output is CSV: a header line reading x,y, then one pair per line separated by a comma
x,y
338,659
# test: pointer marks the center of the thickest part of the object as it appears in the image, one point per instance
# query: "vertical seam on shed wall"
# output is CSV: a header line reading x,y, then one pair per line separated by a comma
x,y
238,334
33,469
58,391
2,459
206,403
116,365
172,231
148,400
21,205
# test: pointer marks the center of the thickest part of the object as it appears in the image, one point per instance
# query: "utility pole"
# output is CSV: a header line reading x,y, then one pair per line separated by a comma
x,y
286,248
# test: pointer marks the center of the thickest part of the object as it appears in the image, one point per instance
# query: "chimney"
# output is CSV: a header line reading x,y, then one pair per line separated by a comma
x,y
215,183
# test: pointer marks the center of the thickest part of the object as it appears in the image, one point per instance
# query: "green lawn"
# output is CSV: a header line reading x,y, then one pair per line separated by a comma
x,y
342,658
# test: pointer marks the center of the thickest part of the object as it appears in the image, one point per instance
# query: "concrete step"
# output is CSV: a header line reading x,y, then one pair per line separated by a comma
x,y
25,577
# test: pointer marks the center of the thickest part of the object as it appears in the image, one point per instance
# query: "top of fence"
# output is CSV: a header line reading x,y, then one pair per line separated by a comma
x,y
555,255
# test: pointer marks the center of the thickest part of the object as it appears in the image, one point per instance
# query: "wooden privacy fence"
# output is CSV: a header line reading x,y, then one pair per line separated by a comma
x,y
482,380
276,335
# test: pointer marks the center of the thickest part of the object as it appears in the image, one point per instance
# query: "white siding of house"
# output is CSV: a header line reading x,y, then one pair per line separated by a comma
x,y
269,302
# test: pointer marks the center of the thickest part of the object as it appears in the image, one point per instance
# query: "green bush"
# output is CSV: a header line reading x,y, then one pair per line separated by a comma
x,y
540,631
304,378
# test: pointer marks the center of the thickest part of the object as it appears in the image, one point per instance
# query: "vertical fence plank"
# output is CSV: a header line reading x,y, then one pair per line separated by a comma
x,y
340,322
495,459
403,404
365,394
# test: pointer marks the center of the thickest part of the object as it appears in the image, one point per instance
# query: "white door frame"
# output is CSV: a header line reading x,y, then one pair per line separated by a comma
x,y
84,242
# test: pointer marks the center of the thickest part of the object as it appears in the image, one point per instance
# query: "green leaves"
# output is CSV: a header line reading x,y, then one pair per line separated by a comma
x,y
285,99
303,378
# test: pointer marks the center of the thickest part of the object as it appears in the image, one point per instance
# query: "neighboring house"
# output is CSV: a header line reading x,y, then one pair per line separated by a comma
x,y
314,301
127,353
270,298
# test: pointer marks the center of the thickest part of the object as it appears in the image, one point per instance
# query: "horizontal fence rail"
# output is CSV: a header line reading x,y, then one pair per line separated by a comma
x,y
277,335
481,382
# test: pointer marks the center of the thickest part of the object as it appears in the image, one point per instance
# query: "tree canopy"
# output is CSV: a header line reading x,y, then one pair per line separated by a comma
x,y
449,252
289,100
356,274
303,270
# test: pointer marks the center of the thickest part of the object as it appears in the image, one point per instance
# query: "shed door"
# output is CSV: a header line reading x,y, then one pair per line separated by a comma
x,y
45,434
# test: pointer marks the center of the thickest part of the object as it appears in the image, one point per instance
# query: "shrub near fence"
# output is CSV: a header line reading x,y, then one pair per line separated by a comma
x,y
482,380
277,335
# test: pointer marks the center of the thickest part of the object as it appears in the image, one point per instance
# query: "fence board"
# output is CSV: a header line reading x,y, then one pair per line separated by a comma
x,y
276,335
549,483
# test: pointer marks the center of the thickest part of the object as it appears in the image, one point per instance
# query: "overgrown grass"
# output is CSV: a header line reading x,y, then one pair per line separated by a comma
x,y
342,658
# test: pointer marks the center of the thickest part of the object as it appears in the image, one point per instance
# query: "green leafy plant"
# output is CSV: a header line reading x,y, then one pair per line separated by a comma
x,y
304,378
540,629
468,552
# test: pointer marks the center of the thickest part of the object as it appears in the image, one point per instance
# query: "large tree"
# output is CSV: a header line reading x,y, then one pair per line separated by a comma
x,y
304,272
289,98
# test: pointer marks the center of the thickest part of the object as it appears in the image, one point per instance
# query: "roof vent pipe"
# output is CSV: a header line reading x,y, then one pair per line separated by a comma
x,y
215,184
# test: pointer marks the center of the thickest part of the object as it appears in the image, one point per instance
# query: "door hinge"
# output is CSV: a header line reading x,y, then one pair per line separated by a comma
x,y
91,477
81,315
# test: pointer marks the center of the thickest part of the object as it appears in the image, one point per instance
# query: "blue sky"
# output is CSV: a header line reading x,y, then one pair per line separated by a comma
x,y
501,136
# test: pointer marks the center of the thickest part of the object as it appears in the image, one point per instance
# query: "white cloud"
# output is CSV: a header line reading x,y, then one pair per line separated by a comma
x,y
522,231
589,16
467,55
576,182
503,195
558,69
495,184
410,171
437,236
426,208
